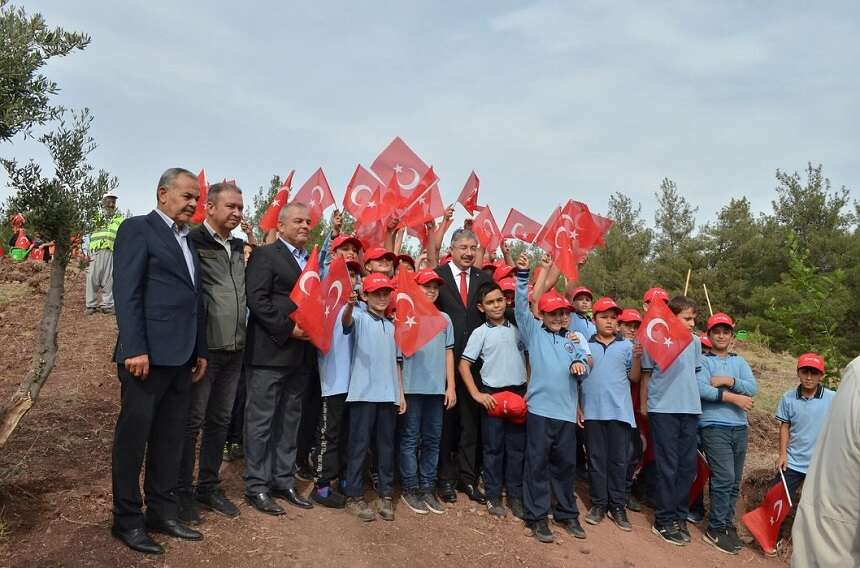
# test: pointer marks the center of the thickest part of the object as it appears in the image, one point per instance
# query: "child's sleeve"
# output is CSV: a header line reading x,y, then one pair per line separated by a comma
x,y
783,409
449,334
745,382
583,343
647,365
525,320
475,345
358,317
706,390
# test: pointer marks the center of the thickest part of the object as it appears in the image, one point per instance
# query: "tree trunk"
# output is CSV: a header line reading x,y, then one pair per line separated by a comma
x,y
44,349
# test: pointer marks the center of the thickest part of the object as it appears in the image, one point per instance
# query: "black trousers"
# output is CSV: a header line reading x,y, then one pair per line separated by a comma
x,y
311,405
550,469
151,423
273,412
328,451
236,431
370,423
460,448
504,446
608,451
675,459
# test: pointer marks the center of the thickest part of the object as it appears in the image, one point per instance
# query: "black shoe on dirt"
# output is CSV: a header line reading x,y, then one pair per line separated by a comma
x,y
619,517
720,539
670,534
540,530
595,515
572,527
633,504
685,532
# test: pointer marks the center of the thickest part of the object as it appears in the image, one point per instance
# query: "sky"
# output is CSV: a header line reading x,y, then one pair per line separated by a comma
x,y
545,100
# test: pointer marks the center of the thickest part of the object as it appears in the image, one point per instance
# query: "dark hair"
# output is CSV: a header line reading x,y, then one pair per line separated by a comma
x,y
680,303
216,188
488,288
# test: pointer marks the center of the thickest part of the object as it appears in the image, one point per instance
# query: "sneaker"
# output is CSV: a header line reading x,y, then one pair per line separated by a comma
x,y
90,311
386,508
572,527
515,504
775,551
216,501
108,311
327,497
415,502
619,517
685,532
670,534
633,504
358,507
496,507
432,503
187,510
720,539
695,517
595,515
737,543
540,530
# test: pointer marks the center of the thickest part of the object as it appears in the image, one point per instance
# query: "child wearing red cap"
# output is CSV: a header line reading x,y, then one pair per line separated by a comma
x,y
726,385
654,294
498,344
380,261
628,323
801,413
607,411
580,318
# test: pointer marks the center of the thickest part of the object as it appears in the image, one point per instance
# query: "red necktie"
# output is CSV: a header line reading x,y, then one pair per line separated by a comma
x,y
464,292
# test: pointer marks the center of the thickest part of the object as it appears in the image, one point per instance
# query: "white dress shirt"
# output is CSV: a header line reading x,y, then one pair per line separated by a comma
x,y
455,270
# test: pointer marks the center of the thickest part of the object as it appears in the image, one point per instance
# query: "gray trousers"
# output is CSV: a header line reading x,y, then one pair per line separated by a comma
x,y
100,276
273,412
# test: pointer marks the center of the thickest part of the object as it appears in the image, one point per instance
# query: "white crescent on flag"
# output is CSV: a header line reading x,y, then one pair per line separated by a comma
x,y
356,190
514,231
338,285
416,178
652,324
304,278
317,189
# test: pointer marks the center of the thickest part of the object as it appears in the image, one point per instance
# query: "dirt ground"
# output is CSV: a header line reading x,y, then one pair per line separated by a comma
x,y
55,493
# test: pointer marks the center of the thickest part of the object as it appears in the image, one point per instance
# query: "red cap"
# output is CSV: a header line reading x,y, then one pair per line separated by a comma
x,y
376,281
655,294
581,290
502,272
811,360
491,263
341,240
427,275
706,341
604,305
509,405
508,285
354,266
629,315
720,318
377,253
404,258
552,301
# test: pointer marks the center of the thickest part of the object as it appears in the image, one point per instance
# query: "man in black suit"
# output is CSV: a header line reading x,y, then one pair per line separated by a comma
x,y
282,362
160,350
459,455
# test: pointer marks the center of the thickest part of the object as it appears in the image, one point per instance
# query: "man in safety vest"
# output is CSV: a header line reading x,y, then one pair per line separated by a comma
x,y
100,270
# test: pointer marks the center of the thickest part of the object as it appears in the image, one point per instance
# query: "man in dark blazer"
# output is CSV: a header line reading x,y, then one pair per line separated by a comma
x,y
282,363
160,350
459,455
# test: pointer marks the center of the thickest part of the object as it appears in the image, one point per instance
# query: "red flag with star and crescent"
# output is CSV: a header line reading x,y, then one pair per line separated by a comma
x,y
518,226
703,473
416,318
306,296
359,190
334,293
469,194
427,207
399,159
764,521
316,194
200,210
269,220
663,335
487,231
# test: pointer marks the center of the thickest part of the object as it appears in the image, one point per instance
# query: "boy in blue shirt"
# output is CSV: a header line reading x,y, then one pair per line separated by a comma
x,y
581,300
498,345
374,395
428,381
674,406
607,410
556,366
726,386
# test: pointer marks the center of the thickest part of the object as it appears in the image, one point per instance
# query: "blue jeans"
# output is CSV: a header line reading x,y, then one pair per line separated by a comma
x,y
420,435
725,449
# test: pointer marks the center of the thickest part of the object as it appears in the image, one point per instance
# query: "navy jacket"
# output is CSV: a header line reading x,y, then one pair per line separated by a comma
x,y
159,310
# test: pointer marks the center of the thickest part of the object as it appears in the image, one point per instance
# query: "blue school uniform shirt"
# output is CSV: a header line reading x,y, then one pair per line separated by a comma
x,y
606,389
805,417
716,412
424,370
583,324
334,366
675,390
373,376
552,390
503,353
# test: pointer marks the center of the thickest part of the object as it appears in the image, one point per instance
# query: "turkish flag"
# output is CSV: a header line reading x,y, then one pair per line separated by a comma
x,y
359,191
381,205
306,296
603,224
200,210
663,335
38,253
335,292
546,235
371,235
269,220
22,242
416,319
764,522
578,220
427,207
487,231
399,160
518,226
316,194
428,180
469,194
703,473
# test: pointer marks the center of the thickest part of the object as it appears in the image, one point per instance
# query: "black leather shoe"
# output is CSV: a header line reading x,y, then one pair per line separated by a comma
x,y
292,496
473,493
263,502
447,492
218,502
173,528
137,539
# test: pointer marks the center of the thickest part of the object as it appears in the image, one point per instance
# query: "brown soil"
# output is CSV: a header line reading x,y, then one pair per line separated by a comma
x,y
55,493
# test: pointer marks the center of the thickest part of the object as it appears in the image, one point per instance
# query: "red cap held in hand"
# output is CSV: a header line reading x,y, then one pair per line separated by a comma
x,y
509,405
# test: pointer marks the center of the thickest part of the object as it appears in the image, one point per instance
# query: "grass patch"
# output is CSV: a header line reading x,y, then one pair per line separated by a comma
x,y
775,373
12,292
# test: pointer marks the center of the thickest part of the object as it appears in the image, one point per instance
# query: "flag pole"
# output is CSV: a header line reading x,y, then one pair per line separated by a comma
x,y
785,486
710,309
687,284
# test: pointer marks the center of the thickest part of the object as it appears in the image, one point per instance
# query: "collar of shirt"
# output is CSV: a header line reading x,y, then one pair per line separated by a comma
x,y
819,392
456,270
491,324
300,254
616,337
181,231
218,238
562,331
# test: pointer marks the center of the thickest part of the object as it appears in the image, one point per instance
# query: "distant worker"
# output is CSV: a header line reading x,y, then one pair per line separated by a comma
x,y
100,270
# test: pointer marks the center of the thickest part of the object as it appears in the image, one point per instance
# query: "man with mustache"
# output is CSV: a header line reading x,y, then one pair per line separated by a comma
x,y
160,351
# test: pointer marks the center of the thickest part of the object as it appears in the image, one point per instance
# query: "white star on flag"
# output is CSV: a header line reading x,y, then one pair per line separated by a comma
x,y
410,321
276,202
371,203
398,168
667,342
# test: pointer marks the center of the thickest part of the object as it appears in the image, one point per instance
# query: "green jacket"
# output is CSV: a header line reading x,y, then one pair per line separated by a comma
x,y
104,237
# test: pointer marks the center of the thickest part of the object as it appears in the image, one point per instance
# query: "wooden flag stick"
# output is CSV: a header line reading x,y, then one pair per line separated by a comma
x,y
710,309
687,284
